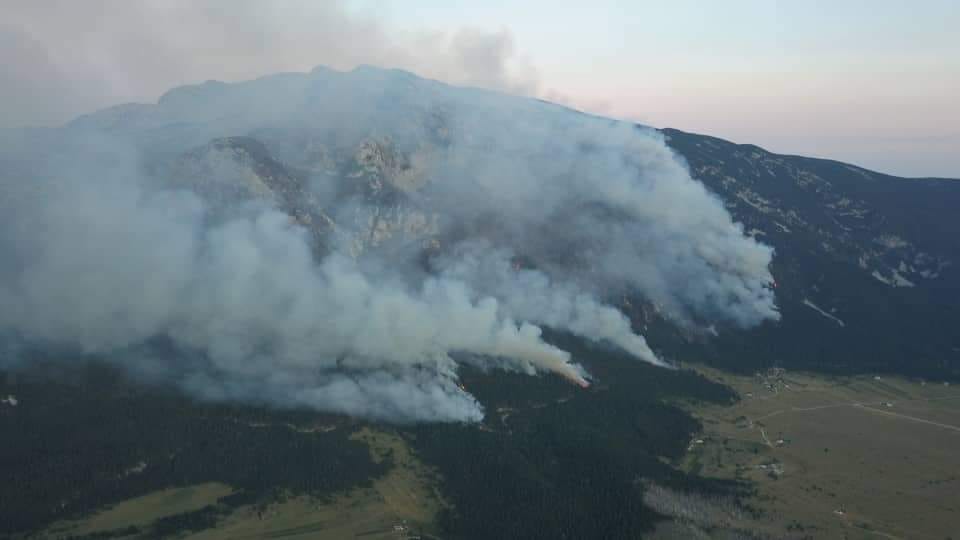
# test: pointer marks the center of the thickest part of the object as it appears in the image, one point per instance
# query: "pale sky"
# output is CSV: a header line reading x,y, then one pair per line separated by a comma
x,y
875,83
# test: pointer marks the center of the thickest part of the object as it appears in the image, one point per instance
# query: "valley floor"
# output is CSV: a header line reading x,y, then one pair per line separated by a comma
x,y
837,457
822,457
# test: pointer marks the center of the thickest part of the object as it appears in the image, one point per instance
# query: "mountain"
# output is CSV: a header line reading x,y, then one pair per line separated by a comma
x,y
322,274
866,264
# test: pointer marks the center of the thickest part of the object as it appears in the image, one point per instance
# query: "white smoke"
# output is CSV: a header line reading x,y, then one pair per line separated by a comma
x,y
531,295
103,254
105,265
612,199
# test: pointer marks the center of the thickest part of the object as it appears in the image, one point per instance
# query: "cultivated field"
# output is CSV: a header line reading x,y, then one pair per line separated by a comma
x,y
863,457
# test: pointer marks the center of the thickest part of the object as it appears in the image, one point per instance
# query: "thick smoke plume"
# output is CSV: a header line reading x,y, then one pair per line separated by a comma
x,y
372,231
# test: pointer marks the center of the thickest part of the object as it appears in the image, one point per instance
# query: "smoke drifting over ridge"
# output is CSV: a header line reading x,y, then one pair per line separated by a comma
x,y
64,58
459,221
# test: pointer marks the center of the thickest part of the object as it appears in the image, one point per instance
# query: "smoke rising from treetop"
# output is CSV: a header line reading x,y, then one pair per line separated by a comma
x,y
110,245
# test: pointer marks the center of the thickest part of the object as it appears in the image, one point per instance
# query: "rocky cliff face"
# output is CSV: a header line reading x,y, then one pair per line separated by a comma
x,y
370,199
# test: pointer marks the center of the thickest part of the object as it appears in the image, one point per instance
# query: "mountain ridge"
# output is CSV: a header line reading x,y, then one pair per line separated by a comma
x,y
746,145
851,244
842,228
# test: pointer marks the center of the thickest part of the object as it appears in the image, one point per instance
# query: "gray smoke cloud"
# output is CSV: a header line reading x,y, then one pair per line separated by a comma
x,y
455,223
63,58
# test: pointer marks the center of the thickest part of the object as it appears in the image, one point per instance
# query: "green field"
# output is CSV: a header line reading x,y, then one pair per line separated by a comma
x,y
854,457
402,503
143,510
405,497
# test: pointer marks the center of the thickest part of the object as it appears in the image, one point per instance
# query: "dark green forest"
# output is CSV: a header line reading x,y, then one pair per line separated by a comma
x,y
567,463
564,463
69,445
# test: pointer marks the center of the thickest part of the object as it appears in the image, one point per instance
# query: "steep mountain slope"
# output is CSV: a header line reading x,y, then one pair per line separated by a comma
x,y
866,264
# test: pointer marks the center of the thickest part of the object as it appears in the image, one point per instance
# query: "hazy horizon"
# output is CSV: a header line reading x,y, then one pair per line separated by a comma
x,y
873,84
